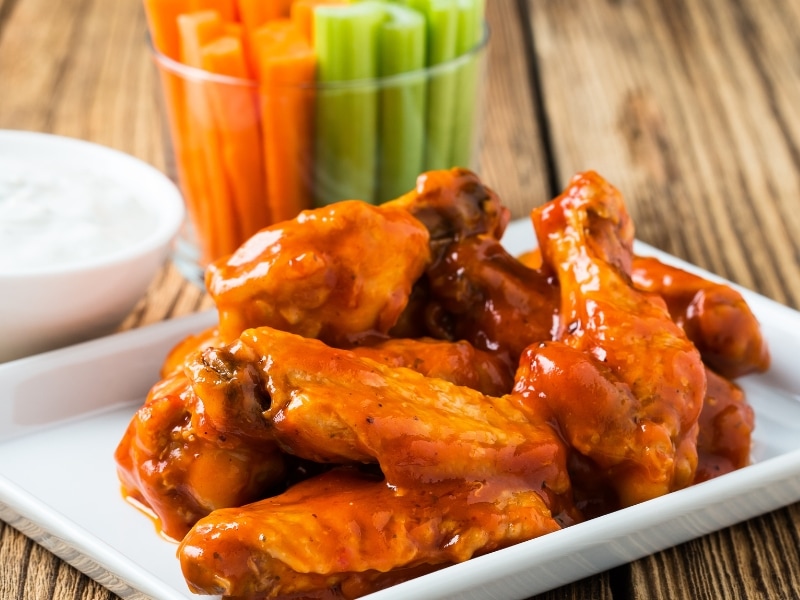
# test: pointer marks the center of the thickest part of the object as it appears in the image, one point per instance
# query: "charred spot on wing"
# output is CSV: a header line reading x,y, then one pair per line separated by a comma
x,y
213,360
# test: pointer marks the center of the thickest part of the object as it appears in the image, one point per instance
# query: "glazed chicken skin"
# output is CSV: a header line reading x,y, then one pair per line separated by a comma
x,y
320,443
464,473
346,270
177,356
155,457
714,316
334,273
480,293
228,378
331,406
622,380
726,424
362,532
172,461
457,362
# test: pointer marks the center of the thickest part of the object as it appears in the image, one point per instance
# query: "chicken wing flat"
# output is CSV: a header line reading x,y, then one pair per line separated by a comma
x,y
173,462
337,273
228,380
331,406
624,383
714,316
480,293
344,532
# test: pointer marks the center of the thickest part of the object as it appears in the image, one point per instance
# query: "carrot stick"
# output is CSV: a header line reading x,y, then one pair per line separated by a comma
x,y
286,71
162,19
219,229
236,116
255,13
190,175
237,30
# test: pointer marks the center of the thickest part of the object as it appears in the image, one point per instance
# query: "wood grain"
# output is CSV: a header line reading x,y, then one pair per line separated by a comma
x,y
513,159
690,109
763,564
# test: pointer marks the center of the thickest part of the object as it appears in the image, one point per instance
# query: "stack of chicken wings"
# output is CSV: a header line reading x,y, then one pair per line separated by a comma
x,y
388,391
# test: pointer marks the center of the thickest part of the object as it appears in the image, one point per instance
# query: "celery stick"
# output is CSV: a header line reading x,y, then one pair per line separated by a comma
x,y
401,140
346,42
470,34
470,24
442,19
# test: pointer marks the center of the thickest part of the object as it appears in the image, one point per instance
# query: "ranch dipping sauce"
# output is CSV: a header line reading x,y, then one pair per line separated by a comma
x,y
51,216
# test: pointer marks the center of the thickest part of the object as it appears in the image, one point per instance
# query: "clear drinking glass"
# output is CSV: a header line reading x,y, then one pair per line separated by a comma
x,y
250,155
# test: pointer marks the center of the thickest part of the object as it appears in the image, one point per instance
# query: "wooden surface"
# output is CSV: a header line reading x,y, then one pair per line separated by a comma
x,y
691,108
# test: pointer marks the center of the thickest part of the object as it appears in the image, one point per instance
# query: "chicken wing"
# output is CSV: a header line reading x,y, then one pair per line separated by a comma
x,y
337,273
714,316
624,383
174,463
344,532
332,406
461,473
177,356
726,424
454,204
480,293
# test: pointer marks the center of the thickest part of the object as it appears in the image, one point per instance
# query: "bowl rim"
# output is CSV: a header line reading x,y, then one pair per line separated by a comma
x,y
169,207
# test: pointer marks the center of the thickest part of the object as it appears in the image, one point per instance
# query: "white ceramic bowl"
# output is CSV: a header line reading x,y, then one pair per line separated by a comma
x,y
77,289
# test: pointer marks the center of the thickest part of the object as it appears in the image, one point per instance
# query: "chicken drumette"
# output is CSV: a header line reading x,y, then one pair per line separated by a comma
x,y
335,273
480,293
623,382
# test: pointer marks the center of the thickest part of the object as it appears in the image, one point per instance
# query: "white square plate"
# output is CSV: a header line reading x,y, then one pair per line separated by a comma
x,y
62,414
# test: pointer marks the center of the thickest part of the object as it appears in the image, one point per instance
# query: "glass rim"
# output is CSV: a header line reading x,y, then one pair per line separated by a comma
x,y
200,75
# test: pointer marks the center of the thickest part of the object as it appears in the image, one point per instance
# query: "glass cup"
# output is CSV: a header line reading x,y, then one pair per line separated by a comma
x,y
249,155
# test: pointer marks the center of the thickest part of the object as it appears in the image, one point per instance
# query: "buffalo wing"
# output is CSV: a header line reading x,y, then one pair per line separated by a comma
x,y
623,381
332,406
335,273
713,315
347,532
388,391
480,293
174,462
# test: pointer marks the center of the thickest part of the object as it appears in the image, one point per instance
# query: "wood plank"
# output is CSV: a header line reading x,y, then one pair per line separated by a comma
x,y
513,158
685,100
97,81
757,559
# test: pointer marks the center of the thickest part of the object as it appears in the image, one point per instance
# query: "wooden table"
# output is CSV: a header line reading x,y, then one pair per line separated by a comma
x,y
691,108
